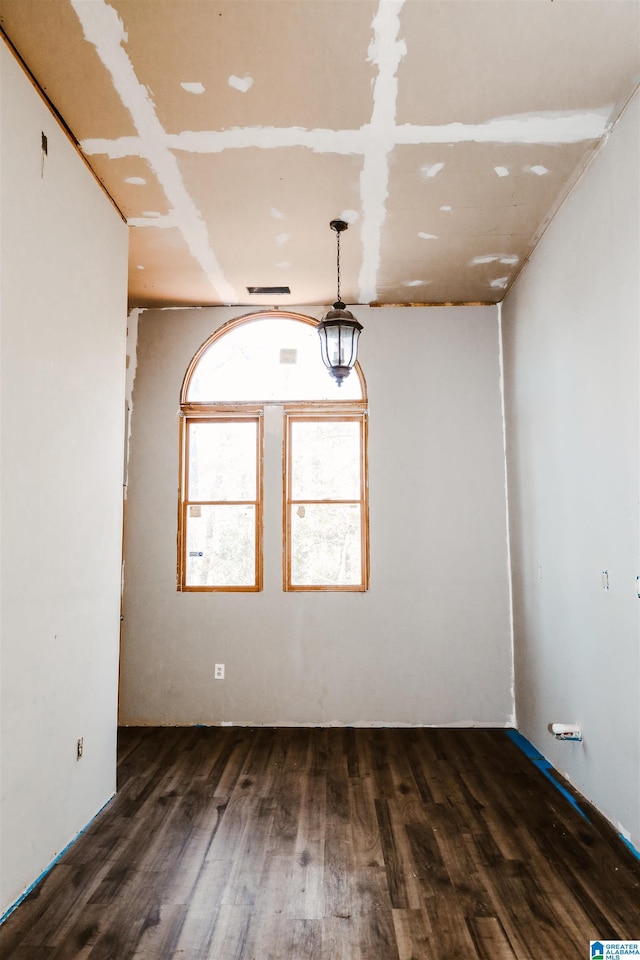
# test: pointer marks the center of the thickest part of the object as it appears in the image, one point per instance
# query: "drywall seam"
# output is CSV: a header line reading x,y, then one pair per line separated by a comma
x,y
386,52
374,141
514,717
132,364
103,28
550,128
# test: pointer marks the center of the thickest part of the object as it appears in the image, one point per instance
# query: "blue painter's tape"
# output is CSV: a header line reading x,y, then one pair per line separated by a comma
x,y
630,846
543,766
48,869
525,745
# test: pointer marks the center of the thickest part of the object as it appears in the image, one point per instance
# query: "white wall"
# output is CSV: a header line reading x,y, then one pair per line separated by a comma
x,y
63,315
430,642
571,343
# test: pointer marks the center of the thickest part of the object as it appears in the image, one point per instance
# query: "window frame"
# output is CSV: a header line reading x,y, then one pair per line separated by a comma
x,y
191,410
230,413
323,412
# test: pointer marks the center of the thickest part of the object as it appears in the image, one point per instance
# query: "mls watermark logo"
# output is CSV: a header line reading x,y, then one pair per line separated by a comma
x,y
613,949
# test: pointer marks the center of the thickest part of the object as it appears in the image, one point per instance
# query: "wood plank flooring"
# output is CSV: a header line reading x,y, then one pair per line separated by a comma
x,y
330,844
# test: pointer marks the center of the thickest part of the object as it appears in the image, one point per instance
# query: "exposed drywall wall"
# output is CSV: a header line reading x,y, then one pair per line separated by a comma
x,y
430,642
63,286
572,402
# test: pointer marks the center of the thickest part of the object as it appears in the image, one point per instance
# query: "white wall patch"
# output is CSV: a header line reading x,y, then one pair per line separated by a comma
x,y
283,238
241,84
538,169
427,236
491,258
430,171
506,259
195,87
502,171
137,181
500,283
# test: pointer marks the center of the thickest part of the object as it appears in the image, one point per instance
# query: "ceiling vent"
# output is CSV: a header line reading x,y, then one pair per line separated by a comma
x,y
276,291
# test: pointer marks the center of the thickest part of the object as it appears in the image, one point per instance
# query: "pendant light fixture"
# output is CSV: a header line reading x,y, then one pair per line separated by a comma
x,y
339,330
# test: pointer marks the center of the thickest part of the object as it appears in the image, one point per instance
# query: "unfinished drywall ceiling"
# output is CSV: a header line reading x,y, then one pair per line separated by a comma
x,y
230,133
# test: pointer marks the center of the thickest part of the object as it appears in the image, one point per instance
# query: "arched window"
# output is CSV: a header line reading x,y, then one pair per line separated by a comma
x,y
271,361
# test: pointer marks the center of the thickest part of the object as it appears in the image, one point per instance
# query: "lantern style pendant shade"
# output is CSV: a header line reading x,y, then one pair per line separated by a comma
x,y
339,330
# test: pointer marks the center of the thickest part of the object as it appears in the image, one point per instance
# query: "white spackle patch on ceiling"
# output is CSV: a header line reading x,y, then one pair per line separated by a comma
x,y
282,238
500,283
501,171
416,283
486,259
193,87
241,84
103,28
137,181
427,236
276,214
432,170
446,208
538,169
508,260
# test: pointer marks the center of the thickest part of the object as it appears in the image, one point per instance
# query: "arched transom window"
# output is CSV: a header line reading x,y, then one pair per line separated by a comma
x,y
269,363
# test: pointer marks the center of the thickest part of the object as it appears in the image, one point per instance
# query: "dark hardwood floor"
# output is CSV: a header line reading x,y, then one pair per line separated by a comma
x,y
331,844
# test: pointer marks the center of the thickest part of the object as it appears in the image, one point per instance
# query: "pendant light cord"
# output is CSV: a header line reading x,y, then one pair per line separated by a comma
x,y
338,263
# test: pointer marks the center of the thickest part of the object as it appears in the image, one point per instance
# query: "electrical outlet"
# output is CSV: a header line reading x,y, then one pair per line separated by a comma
x,y
79,748
219,671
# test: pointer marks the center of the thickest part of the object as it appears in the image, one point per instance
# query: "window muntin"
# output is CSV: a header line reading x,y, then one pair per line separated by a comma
x,y
221,511
326,503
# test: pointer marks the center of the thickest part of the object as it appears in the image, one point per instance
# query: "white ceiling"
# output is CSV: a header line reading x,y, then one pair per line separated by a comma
x,y
230,132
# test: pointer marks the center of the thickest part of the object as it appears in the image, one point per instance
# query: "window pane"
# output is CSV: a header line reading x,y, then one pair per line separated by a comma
x,y
267,359
222,460
221,545
325,460
326,544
